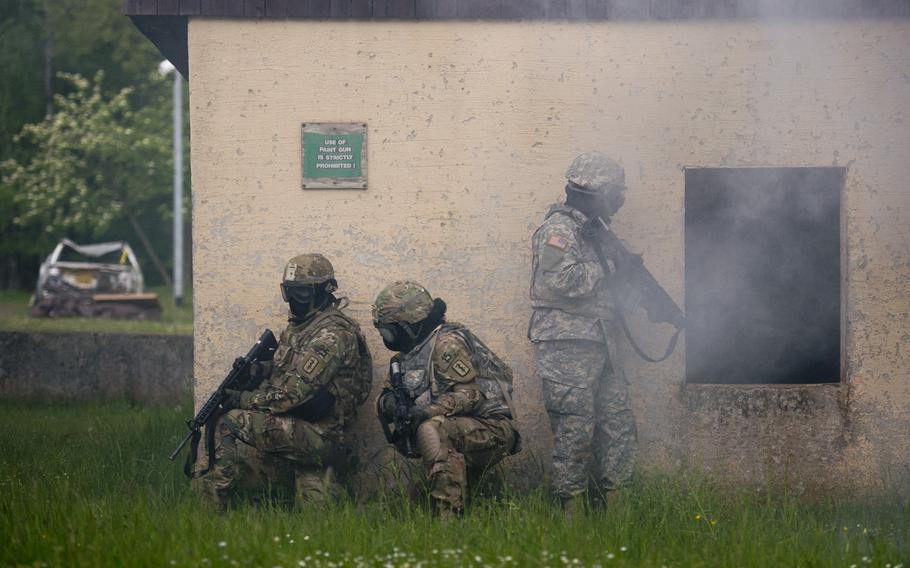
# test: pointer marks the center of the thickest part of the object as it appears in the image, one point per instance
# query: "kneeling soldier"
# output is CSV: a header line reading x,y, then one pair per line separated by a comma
x,y
449,397
289,431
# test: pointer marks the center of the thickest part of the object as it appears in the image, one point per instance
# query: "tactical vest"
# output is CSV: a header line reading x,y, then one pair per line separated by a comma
x,y
598,304
352,384
494,377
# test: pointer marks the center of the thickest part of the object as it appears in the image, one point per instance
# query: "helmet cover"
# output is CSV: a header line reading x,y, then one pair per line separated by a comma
x,y
404,301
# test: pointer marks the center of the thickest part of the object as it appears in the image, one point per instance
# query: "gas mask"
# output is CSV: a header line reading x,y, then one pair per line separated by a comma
x,y
398,336
603,203
304,299
403,337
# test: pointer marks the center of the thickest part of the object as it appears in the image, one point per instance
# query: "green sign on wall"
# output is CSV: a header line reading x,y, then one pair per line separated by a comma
x,y
334,155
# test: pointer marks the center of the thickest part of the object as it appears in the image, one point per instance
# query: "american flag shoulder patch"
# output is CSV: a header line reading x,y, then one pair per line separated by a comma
x,y
557,241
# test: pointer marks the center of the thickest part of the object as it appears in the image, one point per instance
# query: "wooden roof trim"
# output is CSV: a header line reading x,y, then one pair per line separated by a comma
x,y
164,22
516,9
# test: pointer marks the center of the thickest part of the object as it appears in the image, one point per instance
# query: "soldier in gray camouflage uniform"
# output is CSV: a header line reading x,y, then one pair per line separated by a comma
x,y
461,390
290,431
572,329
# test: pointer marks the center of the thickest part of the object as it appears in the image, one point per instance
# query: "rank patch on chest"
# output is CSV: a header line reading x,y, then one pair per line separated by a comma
x,y
558,241
461,368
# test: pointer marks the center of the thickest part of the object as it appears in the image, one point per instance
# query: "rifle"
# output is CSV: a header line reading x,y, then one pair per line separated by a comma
x,y
238,378
403,435
632,284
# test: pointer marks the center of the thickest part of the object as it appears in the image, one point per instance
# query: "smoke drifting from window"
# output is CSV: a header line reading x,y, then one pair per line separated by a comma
x,y
763,283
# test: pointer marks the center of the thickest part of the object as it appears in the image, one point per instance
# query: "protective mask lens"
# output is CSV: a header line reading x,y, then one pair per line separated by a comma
x,y
388,334
614,201
299,293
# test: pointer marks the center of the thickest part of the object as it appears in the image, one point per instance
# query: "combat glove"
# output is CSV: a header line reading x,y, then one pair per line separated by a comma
x,y
231,399
386,405
418,414
592,228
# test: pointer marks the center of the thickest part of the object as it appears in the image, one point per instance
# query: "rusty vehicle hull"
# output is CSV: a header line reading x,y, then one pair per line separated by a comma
x,y
82,288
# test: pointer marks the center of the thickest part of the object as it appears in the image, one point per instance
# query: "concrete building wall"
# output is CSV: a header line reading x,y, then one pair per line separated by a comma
x,y
471,126
64,367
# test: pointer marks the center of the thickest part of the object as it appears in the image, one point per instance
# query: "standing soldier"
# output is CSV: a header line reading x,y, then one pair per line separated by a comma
x,y
457,410
576,292
290,430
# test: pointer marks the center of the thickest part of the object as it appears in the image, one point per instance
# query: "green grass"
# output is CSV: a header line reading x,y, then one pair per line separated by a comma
x,y
174,320
90,486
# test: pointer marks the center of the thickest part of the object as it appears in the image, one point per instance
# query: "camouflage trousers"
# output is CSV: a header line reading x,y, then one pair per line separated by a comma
x,y
592,422
451,445
256,451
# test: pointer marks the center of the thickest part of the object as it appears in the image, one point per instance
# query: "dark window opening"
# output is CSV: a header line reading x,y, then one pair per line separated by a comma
x,y
762,258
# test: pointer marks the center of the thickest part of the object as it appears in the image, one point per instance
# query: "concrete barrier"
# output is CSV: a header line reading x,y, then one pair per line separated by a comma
x,y
95,366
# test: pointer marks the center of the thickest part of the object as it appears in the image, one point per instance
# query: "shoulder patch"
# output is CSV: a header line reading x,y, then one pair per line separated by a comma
x,y
461,368
446,351
558,241
314,361
310,365
452,359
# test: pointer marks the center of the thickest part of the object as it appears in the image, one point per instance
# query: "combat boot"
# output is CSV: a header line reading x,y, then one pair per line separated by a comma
x,y
611,499
604,498
445,511
572,506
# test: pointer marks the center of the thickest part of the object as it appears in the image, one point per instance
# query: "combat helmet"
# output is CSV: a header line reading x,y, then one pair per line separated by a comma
x,y
306,279
404,301
595,173
310,268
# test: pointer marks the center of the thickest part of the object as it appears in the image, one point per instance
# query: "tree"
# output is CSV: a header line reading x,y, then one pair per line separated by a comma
x,y
95,161
84,36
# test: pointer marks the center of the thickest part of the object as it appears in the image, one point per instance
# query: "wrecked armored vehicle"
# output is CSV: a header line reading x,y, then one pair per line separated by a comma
x,y
97,280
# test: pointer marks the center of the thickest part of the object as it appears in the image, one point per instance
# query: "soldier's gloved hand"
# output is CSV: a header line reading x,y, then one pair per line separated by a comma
x,y
231,399
386,404
591,228
259,370
240,363
418,414
265,368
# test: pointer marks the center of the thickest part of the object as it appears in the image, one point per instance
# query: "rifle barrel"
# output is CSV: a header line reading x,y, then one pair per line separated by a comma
x,y
186,439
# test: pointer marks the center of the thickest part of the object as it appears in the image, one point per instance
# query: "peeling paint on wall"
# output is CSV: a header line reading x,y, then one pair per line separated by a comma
x,y
472,125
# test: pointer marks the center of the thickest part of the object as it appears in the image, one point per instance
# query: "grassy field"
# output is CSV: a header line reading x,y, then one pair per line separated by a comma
x,y
174,320
90,486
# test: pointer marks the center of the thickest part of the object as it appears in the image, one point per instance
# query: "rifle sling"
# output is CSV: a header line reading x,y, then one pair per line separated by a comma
x,y
671,347
193,454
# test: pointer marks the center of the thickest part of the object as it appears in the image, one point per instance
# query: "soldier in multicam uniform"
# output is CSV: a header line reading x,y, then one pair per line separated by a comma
x,y
461,389
290,430
572,329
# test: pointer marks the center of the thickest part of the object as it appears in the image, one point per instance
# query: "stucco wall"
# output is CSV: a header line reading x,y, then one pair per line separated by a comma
x,y
471,126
